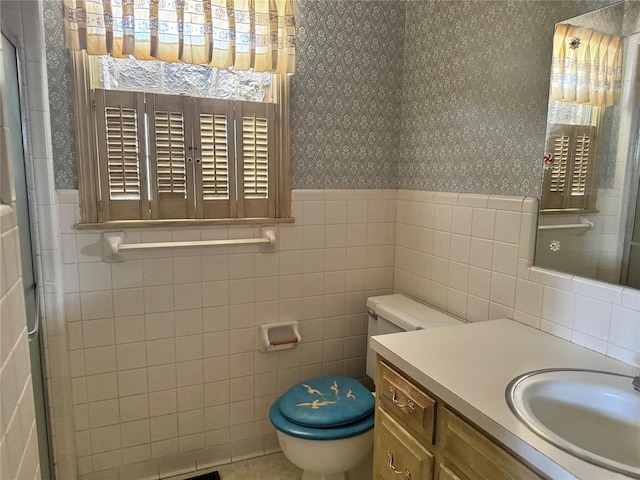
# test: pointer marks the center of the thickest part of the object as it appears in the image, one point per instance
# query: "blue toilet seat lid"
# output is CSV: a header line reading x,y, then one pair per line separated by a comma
x,y
326,402
308,433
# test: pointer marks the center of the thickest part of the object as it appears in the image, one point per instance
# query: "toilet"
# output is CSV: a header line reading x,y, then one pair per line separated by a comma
x,y
325,424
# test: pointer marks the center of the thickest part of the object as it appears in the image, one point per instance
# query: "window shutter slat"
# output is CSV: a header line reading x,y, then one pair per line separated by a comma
x,y
583,186
559,168
170,153
215,174
256,158
122,153
580,165
214,141
169,139
119,119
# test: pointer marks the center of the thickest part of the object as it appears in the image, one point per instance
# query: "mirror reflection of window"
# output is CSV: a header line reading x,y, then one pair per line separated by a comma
x,y
588,204
586,73
571,182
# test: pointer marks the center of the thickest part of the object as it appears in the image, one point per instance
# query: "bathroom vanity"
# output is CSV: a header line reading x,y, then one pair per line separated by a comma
x,y
441,411
419,437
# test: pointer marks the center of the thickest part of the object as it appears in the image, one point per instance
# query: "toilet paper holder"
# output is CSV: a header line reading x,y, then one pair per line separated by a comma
x,y
279,336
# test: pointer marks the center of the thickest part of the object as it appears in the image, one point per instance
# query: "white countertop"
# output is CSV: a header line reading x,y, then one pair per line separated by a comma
x,y
469,367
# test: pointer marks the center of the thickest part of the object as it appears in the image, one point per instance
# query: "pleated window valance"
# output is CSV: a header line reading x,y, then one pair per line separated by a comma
x,y
586,67
242,34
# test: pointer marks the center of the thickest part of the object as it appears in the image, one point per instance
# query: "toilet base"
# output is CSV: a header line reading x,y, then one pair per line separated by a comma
x,y
363,471
340,459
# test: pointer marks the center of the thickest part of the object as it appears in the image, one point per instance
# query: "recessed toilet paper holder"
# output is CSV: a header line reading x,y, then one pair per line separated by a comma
x,y
279,336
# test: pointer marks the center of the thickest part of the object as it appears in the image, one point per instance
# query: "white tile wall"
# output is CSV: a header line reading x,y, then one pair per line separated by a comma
x,y
165,372
479,267
164,346
168,338
166,377
18,436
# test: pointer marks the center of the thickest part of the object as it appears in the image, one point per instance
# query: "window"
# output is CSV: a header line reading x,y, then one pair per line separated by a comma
x,y
586,73
169,157
159,140
150,155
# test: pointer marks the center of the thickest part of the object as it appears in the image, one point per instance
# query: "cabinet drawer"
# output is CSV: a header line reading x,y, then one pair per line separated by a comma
x,y
405,402
396,454
474,455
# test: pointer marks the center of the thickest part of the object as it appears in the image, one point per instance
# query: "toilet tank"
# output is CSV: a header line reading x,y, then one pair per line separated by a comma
x,y
397,313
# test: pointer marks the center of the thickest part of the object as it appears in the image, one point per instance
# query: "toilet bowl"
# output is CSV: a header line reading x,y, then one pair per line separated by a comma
x,y
325,424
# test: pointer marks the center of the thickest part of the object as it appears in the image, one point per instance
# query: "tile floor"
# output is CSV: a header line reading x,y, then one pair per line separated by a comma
x,y
272,467
269,467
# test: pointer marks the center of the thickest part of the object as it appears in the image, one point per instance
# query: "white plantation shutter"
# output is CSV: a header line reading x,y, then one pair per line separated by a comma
x,y
556,177
174,157
581,164
570,183
561,163
119,119
255,160
170,160
215,172
255,141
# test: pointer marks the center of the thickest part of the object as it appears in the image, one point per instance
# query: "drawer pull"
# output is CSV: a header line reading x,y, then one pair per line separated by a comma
x,y
407,473
409,405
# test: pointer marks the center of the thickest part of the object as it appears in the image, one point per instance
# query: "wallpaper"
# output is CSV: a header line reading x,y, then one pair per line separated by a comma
x,y
609,20
631,17
429,95
475,89
60,99
347,94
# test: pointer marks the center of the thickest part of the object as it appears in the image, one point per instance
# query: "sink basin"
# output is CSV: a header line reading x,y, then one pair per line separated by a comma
x,y
590,414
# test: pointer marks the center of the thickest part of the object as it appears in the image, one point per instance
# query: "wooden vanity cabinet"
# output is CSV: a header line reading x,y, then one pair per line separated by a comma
x,y
399,455
418,437
409,405
472,454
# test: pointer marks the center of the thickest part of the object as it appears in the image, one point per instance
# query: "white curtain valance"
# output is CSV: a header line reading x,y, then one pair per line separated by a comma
x,y
586,67
243,34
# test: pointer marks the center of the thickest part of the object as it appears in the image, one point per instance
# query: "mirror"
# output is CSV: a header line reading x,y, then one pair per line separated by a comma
x,y
587,223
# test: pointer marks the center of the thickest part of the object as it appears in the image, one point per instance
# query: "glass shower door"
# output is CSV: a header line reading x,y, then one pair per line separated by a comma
x,y
11,102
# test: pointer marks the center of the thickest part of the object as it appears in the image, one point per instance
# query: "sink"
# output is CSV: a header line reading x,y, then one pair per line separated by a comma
x,y
590,414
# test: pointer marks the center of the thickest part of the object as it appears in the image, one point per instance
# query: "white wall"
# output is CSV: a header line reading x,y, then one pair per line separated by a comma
x,y
471,255
164,358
